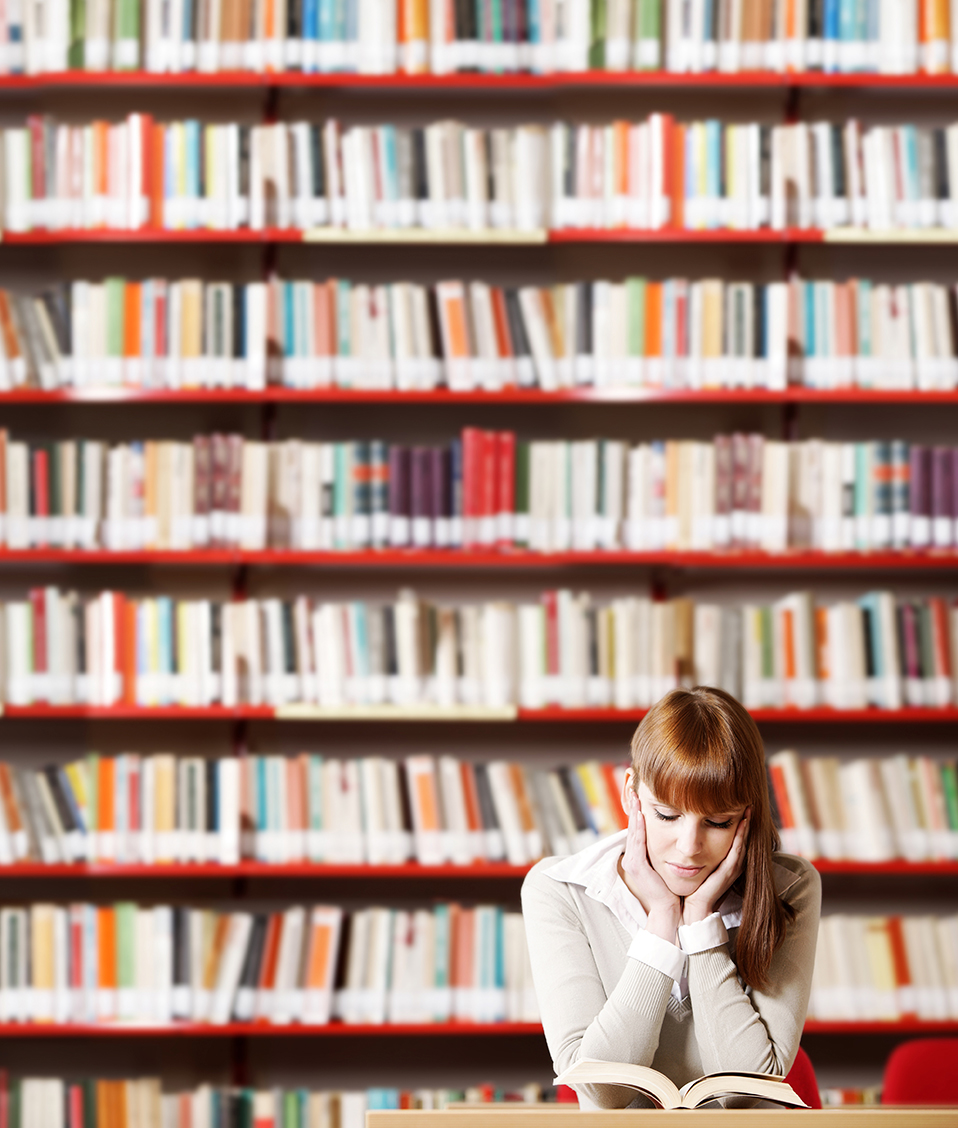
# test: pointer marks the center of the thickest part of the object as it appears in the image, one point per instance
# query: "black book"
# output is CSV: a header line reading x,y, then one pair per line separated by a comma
x,y
487,808
839,172
940,150
592,634
765,160
318,161
64,809
244,143
216,637
238,299
56,300
579,817
249,973
405,800
389,638
868,631
181,961
212,796
517,328
289,637
759,321
420,173
583,318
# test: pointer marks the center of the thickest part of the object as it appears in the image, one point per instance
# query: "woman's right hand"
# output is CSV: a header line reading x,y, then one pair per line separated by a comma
x,y
662,906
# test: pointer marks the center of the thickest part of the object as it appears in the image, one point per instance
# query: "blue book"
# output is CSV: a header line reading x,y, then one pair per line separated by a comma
x,y
310,33
831,34
289,325
164,614
192,130
261,823
713,169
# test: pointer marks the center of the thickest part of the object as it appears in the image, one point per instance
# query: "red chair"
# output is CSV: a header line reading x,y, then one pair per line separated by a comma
x,y
924,1071
802,1079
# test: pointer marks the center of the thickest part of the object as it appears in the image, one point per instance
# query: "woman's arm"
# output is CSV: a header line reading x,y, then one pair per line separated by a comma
x,y
761,1032
578,1019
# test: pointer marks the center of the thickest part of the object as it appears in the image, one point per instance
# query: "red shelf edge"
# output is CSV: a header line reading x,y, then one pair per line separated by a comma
x,y
268,712
477,81
465,558
106,395
336,1029
489,870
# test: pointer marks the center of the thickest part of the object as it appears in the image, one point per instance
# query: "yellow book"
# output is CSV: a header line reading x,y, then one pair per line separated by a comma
x,y
42,961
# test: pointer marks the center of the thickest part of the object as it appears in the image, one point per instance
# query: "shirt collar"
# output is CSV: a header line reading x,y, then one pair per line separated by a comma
x,y
594,868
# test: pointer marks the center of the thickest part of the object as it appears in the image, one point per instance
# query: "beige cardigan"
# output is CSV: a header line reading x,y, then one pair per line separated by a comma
x,y
596,1002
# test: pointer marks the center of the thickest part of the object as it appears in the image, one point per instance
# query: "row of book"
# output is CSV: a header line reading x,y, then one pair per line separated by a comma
x,y
308,808
162,963
467,335
487,489
870,809
652,174
565,650
416,36
885,968
160,809
142,1102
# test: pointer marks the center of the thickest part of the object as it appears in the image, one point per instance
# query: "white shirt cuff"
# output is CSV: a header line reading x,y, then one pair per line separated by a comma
x,y
704,934
658,953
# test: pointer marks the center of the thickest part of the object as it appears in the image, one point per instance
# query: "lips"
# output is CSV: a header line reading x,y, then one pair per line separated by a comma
x,y
685,871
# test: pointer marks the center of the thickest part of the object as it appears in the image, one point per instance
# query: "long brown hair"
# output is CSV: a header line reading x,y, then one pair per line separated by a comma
x,y
699,750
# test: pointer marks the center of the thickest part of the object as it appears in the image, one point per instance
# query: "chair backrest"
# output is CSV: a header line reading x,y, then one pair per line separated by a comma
x,y
802,1079
924,1071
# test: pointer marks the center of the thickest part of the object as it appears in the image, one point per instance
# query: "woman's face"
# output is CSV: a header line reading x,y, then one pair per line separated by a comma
x,y
686,846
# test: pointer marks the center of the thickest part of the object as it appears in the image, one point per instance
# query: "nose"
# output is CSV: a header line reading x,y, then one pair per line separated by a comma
x,y
689,840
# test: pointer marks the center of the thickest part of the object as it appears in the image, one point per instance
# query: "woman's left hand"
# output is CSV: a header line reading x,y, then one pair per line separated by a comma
x,y
702,902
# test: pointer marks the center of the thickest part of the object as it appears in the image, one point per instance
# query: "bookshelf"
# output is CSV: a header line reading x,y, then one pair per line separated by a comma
x,y
505,96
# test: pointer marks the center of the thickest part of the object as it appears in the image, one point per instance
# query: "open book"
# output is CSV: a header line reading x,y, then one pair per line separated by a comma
x,y
665,1094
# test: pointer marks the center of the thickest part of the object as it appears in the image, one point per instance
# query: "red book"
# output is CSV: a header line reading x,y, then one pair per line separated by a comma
x,y
124,647
157,182
4,1099
471,469
270,952
41,495
903,979
777,776
39,605
551,603
506,492
76,950
76,1108
488,488
134,814
504,345
38,160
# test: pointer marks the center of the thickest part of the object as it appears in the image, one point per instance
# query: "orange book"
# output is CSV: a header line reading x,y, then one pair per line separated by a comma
x,y
106,948
214,953
821,643
903,980
653,319
156,186
132,303
518,780
11,810
297,794
675,162
465,954
325,923
471,793
126,647
324,317
777,776
620,160
940,637
788,643
101,160
452,319
615,799
504,346
106,810
11,343
150,480
267,976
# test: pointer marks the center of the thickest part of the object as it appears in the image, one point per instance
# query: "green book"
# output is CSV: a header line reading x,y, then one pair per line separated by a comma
x,y
647,47
76,51
521,530
115,292
88,1086
496,14
598,33
768,644
126,35
125,957
949,785
635,320
14,1114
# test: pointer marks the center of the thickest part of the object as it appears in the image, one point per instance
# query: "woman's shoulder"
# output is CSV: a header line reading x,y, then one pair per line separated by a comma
x,y
794,876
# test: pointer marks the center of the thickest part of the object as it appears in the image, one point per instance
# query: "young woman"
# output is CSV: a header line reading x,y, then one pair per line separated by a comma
x,y
685,942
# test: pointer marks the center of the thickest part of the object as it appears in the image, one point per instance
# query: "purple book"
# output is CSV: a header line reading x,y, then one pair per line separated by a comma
x,y
441,480
420,493
399,508
920,495
941,496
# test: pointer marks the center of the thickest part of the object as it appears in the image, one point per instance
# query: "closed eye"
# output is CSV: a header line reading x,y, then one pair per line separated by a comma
x,y
720,826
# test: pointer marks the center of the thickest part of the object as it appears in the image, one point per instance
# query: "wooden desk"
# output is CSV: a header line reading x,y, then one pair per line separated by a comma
x,y
535,1116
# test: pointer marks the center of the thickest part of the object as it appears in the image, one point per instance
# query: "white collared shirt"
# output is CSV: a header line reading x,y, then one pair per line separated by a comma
x,y
596,869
